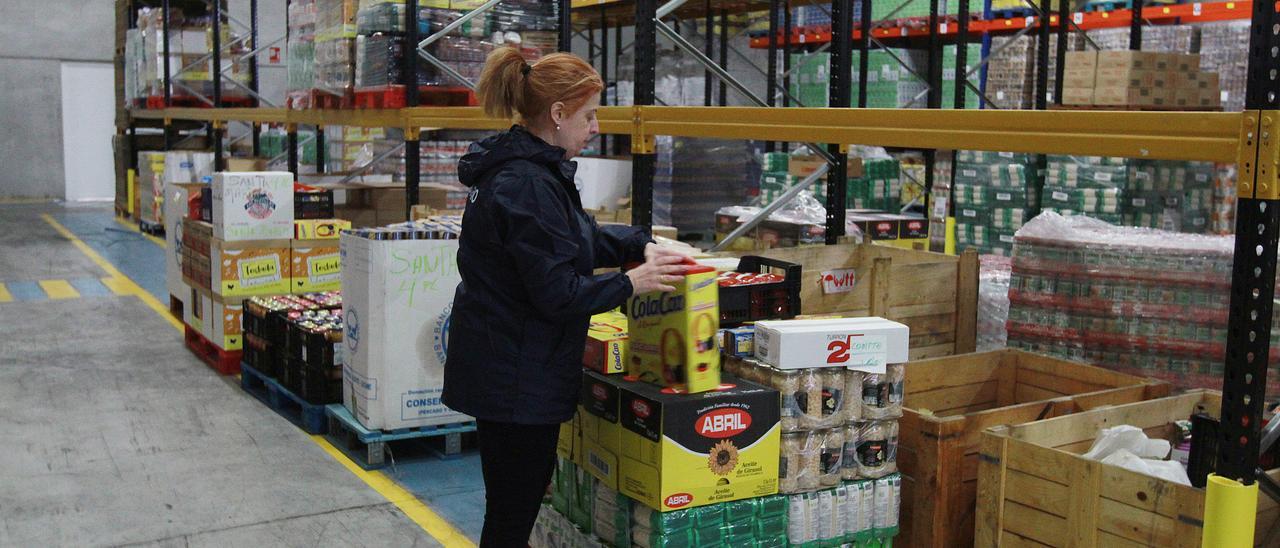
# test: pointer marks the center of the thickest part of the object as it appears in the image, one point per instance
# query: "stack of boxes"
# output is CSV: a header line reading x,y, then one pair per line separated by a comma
x,y
297,339
334,39
1087,185
1138,79
190,45
300,62
1223,51
693,177
253,246
1174,196
994,195
1158,38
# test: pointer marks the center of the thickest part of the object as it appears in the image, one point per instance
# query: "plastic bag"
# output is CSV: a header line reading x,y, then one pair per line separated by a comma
x,y
877,451
1127,438
882,394
1163,469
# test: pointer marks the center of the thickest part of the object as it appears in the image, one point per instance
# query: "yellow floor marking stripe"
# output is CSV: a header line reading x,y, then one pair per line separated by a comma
x,y
414,509
5,296
420,513
121,279
117,286
59,289
133,227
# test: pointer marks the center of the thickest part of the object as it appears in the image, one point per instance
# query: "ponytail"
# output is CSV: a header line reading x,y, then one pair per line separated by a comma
x,y
511,88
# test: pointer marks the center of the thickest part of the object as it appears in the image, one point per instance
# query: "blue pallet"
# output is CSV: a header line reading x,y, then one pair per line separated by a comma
x,y
307,416
366,447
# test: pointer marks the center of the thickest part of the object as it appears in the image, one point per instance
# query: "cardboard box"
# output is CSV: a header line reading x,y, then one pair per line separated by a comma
x,y
397,326
1184,97
315,265
226,322
862,344
175,210
607,345
1186,62
689,450
202,314
150,186
738,341
1138,60
1077,96
241,269
1078,78
600,408
1126,96
319,229
602,182
246,164
1081,61
673,335
1133,78
802,166
254,205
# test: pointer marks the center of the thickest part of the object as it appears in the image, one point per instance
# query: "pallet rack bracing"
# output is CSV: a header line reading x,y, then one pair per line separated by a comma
x,y
1248,138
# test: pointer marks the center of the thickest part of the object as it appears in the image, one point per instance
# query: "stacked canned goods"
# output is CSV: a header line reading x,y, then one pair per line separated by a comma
x,y
1137,300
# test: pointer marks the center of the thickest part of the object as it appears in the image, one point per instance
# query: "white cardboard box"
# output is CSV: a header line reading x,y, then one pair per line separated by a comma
x,y
862,344
602,182
253,205
175,210
397,297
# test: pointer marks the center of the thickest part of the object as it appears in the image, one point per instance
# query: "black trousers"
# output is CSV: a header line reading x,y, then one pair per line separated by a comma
x,y
517,460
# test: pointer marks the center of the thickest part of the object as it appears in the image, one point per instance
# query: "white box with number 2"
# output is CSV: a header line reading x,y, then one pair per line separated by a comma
x,y
861,344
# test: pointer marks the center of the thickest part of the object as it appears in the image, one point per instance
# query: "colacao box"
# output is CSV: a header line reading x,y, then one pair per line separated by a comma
x,y
315,265
397,299
241,269
689,450
738,341
253,205
863,344
569,443
319,229
673,335
606,349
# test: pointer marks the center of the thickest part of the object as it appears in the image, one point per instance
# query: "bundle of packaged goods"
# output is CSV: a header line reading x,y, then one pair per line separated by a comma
x,y
1223,214
1220,53
870,180
349,148
1169,195
1138,79
157,170
398,284
334,47
994,195
694,176
190,56
300,60
1157,38
1140,301
993,302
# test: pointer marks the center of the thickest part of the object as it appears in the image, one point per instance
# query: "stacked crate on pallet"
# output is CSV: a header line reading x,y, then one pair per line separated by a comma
x,y
314,356
335,33
301,60
190,62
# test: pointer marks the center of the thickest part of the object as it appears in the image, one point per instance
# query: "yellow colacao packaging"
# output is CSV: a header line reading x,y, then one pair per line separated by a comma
x,y
673,335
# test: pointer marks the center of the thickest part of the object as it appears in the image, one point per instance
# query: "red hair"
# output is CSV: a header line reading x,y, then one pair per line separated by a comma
x,y
511,87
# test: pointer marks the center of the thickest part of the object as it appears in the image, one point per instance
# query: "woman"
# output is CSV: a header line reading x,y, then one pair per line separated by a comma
x,y
527,294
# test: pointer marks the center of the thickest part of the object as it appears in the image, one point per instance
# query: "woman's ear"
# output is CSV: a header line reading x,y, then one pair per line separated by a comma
x,y
558,113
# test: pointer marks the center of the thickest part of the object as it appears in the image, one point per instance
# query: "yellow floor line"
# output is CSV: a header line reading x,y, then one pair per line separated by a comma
x,y
117,286
420,513
120,279
59,289
133,227
417,511
5,296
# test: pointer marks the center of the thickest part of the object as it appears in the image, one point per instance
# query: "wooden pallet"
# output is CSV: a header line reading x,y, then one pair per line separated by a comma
x,y
369,448
310,417
393,97
1144,108
225,362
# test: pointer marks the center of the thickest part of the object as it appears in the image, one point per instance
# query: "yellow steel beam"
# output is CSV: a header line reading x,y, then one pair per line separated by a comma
x,y
1208,136
615,120
453,118
356,117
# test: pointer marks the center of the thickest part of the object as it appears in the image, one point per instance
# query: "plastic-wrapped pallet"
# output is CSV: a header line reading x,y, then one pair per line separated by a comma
x,y
1162,38
993,302
1222,51
1141,301
859,513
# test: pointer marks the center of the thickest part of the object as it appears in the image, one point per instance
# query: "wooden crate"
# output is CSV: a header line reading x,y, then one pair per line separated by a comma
x,y
935,295
950,401
1036,490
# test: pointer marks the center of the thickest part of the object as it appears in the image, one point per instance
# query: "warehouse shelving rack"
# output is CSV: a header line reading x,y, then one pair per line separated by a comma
x,y
1250,139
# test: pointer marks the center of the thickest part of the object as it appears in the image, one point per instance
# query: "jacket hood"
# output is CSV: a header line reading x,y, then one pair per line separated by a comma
x,y
515,144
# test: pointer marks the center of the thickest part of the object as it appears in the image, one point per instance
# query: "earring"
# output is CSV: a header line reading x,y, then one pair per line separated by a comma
x,y
557,127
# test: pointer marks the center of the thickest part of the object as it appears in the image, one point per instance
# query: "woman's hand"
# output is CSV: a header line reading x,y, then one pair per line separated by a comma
x,y
652,250
657,273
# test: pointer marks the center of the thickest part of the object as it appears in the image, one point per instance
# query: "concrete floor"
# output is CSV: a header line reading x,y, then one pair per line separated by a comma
x,y
116,435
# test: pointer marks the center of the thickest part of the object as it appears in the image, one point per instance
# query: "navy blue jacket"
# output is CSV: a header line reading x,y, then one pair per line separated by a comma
x,y
526,256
